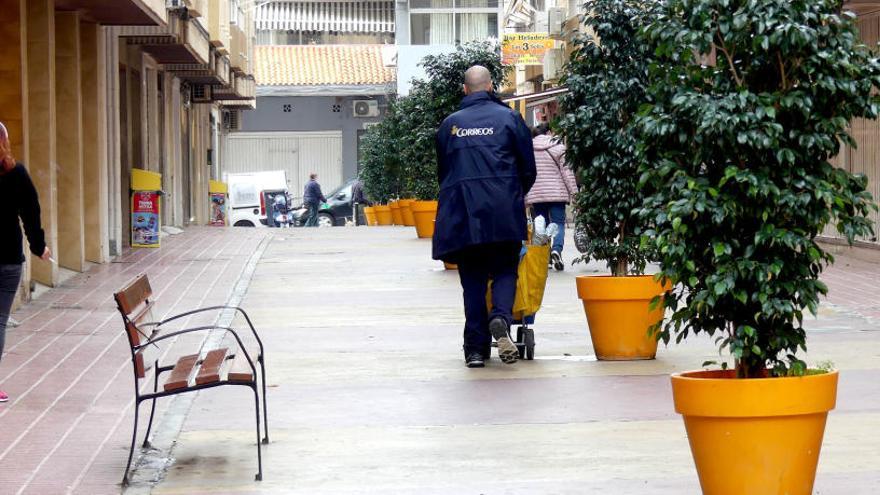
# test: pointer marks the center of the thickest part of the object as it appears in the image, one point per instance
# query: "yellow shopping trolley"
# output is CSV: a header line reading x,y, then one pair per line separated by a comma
x,y
530,283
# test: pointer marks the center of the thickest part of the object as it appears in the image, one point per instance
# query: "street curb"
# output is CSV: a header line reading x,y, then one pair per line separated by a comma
x,y
152,464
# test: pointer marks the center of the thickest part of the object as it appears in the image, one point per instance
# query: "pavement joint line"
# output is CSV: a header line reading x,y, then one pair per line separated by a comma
x,y
167,429
69,387
115,339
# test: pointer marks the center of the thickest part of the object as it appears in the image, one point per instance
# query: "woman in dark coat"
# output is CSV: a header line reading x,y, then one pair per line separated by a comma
x,y
19,205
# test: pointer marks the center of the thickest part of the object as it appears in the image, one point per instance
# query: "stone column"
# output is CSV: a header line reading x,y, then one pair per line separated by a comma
x,y
69,135
94,129
41,133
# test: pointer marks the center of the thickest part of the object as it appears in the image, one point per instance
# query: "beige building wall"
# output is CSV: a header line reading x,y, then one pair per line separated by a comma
x,y
94,122
41,130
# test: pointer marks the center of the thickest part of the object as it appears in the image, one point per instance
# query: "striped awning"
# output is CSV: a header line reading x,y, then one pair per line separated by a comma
x,y
337,16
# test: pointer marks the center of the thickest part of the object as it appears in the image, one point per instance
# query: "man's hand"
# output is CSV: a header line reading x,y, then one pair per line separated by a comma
x,y
47,255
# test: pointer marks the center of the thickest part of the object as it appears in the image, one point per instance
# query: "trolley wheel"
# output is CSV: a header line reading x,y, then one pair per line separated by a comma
x,y
520,342
529,341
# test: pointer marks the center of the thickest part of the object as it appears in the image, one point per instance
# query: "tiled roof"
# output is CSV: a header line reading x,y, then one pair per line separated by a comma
x,y
321,65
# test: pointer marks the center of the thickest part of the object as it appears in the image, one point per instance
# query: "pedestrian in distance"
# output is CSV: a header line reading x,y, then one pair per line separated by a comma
x,y
554,188
312,199
486,166
19,205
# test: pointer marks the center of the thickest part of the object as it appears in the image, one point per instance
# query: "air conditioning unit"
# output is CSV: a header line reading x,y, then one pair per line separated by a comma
x,y
554,59
555,21
365,108
174,4
231,120
201,93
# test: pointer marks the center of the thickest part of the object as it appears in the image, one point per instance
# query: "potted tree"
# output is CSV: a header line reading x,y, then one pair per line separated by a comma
x,y
607,77
751,102
381,165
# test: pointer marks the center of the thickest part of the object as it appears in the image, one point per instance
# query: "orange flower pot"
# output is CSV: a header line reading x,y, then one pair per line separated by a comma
x,y
370,213
424,213
396,216
406,212
758,435
383,215
619,316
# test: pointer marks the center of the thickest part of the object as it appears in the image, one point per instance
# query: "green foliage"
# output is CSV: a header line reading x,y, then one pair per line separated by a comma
x,y
400,158
607,77
737,175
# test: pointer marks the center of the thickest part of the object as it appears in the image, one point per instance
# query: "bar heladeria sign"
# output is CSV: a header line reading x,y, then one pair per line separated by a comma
x,y
525,48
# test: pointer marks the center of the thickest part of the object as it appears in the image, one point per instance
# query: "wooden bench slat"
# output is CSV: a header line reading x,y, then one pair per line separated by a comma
x,y
240,370
210,370
182,372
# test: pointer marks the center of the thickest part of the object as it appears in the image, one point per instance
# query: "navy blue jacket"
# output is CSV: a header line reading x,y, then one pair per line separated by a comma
x,y
312,193
486,165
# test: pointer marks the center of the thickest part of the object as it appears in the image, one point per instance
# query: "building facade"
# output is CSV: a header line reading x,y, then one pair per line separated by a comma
x,y
324,74
92,89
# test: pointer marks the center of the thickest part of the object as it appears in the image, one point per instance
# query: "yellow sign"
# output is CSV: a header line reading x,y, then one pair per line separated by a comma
x,y
525,48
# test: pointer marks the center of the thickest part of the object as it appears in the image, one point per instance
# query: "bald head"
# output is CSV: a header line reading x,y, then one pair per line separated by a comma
x,y
477,78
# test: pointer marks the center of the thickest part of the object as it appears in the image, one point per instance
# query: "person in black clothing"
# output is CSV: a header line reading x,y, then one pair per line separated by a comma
x,y
18,200
312,199
486,166
358,202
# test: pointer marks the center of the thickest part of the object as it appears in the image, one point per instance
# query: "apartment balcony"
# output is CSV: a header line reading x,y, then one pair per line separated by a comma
x,y
183,41
218,26
243,88
118,12
240,51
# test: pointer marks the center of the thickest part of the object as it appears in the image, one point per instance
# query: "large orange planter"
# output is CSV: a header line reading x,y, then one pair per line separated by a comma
x,y
406,212
619,316
383,215
424,213
370,213
759,435
396,216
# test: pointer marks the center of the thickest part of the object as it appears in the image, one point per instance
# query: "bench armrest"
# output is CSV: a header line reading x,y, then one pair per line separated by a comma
x,y
202,329
218,308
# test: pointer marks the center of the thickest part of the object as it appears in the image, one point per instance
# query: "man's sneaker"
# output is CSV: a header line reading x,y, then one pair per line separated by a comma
x,y
475,360
3,397
556,261
507,350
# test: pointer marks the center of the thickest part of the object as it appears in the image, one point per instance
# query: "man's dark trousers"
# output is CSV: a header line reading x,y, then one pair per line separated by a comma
x,y
311,215
476,266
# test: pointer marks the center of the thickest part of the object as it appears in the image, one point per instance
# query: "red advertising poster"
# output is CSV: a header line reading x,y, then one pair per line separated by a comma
x,y
218,209
145,219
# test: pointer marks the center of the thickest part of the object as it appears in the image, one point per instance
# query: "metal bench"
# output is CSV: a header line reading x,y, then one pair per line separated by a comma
x,y
214,368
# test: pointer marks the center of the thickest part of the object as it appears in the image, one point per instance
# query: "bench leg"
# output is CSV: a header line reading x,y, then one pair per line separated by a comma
x,y
146,443
265,407
137,405
259,476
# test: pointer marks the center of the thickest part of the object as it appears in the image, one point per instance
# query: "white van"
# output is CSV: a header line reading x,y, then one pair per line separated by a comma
x,y
247,206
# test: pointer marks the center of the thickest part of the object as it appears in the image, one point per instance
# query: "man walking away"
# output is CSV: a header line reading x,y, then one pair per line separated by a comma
x,y
486,166
554,188
312,199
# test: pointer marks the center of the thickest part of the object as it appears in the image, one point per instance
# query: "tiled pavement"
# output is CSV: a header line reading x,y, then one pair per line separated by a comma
x,y
367,391
67,366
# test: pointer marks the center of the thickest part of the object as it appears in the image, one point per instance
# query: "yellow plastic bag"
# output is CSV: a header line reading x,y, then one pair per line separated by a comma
x,y
530,282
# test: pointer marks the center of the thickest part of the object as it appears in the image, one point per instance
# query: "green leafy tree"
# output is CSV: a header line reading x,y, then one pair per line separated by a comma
x,y
607,77
406,148
753,99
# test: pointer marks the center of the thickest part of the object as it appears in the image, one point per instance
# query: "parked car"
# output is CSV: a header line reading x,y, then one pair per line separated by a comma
x,y
248,195
335,212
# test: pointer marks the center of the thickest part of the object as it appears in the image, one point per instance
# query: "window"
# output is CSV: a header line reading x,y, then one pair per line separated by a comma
x,y
447,22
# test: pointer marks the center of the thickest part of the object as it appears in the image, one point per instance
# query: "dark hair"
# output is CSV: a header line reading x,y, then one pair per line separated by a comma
x,y
7,160
313,176
540,129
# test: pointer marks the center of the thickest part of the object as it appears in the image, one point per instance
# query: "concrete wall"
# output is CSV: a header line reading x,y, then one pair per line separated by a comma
x,y
313,113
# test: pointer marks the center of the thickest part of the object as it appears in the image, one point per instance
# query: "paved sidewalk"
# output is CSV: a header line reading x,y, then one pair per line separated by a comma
x,y
67,366
368,392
